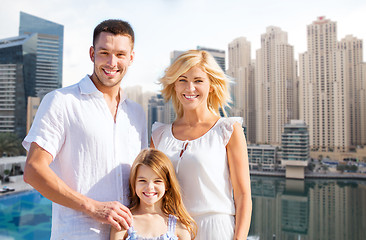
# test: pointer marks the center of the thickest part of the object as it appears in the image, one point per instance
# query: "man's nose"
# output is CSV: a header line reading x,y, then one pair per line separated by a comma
x,y
112,60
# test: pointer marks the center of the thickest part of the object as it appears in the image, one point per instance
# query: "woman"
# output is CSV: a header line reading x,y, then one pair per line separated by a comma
x,y
209,153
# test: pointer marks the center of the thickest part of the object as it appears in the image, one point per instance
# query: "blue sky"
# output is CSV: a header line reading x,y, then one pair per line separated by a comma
x,y
162,26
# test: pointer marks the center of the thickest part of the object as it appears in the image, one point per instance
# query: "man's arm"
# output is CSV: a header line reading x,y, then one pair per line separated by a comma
x,y
38,173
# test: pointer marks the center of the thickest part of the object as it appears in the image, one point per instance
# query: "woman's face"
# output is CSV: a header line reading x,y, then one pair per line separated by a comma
x,y
192,88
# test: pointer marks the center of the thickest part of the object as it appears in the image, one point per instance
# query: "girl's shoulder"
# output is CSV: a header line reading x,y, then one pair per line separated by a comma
x,y
182,232
117,235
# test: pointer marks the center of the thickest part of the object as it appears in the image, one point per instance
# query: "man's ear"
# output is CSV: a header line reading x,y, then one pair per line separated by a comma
x,y
91,53
132,57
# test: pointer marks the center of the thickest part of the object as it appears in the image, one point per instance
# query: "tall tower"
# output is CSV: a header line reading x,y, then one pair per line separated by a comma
x,y
316,83
49,53
30,66
275,86
219,56
363,105
351,48
241,69
331,84
17,65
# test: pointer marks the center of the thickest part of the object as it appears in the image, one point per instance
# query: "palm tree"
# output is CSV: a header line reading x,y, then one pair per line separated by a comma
x,y
10,144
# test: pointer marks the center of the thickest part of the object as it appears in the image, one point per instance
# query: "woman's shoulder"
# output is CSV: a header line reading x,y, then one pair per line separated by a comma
x,y
226,126
159,125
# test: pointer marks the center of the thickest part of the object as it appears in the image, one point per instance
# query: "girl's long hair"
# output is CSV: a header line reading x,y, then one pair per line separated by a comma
x,y
172,200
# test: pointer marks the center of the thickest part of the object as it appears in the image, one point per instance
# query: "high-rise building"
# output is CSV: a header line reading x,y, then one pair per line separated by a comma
x,y
174,55
17,65
49,53
30,66
351,61
219,56
159,111
275,86
241,69
332,88
363,105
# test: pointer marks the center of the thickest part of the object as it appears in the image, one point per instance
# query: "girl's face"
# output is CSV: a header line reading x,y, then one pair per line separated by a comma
x,y
192,88
150,188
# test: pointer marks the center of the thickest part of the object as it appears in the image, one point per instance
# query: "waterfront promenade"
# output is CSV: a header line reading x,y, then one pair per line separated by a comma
x,y
21,186
330,175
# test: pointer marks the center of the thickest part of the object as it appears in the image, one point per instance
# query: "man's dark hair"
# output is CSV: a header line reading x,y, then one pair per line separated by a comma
x,y
116,27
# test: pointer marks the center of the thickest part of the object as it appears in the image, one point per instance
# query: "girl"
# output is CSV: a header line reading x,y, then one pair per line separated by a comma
x,y
156,205
209,152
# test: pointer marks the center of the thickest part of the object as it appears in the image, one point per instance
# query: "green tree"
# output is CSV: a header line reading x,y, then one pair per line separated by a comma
x,y
11,145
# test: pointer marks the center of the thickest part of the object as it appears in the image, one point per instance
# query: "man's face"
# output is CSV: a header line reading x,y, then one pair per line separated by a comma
x,y
112,55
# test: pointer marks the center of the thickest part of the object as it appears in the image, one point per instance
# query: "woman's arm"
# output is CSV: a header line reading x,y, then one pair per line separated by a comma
x,y
237,155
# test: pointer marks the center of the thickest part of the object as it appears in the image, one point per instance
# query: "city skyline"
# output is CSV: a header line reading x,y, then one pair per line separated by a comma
x,y
164,26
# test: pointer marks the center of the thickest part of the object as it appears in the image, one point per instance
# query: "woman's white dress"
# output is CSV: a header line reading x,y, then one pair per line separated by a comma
x,y
202,169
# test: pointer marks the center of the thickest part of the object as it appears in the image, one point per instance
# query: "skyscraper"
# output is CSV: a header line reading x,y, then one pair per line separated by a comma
x,y
332,88
17,65
276,101
316,83
241,69
219,56
49,53
159,111
351,60
30,66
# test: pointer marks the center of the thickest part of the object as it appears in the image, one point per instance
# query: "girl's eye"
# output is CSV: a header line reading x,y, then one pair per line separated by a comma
x,y
141,180
182,80
199,81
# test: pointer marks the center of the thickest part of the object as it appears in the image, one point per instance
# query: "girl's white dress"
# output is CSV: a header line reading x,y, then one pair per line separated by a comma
x,y
202,169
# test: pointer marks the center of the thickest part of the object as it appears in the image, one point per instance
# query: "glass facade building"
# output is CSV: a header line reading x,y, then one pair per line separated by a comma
x,y
30,66
295,142
17,66
49,54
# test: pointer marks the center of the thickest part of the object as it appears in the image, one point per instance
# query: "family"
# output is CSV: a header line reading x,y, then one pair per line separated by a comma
x,y
88,153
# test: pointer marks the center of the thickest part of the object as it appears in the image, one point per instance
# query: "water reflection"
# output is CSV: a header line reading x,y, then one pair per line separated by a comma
x,y
308,210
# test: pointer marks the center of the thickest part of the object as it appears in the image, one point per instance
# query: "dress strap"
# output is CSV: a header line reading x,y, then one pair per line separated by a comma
x,y
132,235
171,224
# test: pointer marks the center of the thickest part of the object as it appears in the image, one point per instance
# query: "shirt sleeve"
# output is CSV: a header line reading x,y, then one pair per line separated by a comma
x,y
48,127
157,130
228,127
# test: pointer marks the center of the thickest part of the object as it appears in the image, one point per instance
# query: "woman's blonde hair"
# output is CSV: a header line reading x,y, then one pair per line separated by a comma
x,y
218,97
172,200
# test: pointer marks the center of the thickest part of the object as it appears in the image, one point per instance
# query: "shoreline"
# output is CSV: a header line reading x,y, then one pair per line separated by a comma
x,y
357,176
21,186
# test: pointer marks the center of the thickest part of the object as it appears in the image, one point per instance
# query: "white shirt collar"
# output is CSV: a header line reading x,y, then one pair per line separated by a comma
x,y
87,86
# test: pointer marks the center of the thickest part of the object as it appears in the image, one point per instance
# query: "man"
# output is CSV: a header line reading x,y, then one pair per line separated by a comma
x,y
84,139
